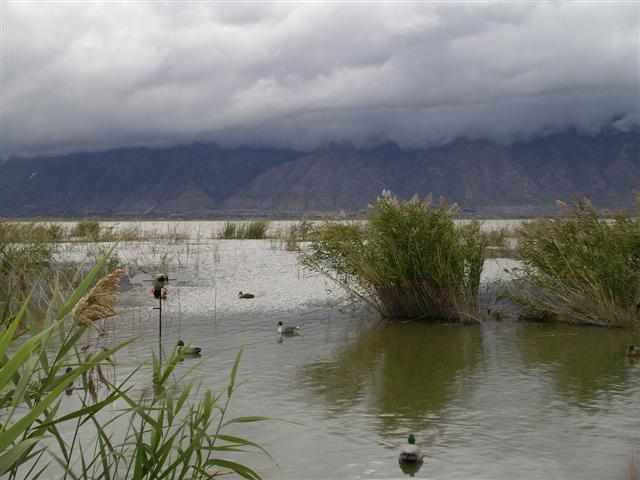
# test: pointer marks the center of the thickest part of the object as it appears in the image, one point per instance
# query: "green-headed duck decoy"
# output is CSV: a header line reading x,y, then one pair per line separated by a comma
x,y
287,329
188,350
410,453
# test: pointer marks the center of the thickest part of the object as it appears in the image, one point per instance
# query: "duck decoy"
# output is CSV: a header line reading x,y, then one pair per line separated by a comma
x,y
245,295
57,380
633,351
410,453
188,350
288,329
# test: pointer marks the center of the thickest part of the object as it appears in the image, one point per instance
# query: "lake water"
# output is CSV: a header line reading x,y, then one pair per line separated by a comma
x,y
502,400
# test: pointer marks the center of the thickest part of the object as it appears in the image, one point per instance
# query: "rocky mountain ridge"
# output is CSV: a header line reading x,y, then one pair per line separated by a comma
x,y
206,181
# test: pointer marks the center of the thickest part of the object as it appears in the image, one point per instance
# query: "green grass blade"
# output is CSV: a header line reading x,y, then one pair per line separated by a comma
x,y
234,371
248,419
7,436
8,459
241,470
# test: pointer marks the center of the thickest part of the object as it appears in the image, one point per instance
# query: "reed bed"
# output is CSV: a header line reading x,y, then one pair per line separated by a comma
x,y
408,261
31,232
580,268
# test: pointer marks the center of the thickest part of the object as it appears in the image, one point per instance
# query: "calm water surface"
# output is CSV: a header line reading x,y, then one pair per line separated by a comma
x,y
500,401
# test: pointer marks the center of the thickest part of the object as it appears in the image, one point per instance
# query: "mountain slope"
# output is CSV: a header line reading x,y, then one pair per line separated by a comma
x,y
485,178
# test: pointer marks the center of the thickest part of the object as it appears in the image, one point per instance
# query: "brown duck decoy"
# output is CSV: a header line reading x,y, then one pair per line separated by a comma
x,y
633,351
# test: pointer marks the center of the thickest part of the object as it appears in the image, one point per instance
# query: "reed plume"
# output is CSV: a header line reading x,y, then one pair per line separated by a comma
x,y
99,302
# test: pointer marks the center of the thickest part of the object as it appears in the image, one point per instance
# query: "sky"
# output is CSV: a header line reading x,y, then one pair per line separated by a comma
x,y
93,76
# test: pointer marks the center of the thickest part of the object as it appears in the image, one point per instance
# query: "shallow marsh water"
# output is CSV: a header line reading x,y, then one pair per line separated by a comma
x,y
498,401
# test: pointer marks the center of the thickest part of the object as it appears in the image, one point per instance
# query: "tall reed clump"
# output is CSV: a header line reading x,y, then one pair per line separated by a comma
x,y
253,230
177,433
580,268
409,260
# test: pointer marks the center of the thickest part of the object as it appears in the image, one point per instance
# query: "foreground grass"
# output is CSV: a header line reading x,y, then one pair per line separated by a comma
x,y
408,260
580,268
177,433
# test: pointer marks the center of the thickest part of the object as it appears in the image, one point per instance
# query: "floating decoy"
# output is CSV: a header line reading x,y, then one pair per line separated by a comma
x,y
287,329
633,351
245,295
189,350
410,453
57,380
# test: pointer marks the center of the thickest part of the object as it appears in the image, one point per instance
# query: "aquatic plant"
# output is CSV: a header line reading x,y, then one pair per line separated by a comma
x,y
254,230
409,260
290,236
87,230
177,433
580,268
32,232
21,265
229,230
499,243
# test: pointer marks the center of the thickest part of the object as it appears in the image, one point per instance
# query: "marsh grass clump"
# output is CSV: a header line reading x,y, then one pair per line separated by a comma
x,y
291,235
32,232
21,266
87,230
408,261
580,268
499,243
253,230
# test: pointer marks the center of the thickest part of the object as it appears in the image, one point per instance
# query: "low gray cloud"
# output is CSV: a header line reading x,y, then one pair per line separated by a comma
x,y
91,76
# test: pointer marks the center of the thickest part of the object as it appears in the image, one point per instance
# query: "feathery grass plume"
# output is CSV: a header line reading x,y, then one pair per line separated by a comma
x,y
580,268
98,303
408,260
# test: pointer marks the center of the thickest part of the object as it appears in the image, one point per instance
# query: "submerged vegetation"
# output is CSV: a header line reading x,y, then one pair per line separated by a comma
x,y
580,268
177,432
409,260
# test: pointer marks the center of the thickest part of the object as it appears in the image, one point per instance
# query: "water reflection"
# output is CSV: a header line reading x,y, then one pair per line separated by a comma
x,y
410,468
584,362
402,372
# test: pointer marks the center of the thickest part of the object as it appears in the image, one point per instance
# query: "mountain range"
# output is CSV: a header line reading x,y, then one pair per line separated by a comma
x,y
486,178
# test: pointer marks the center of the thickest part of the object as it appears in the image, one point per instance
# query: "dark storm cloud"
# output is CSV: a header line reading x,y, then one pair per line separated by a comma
x,y
91,76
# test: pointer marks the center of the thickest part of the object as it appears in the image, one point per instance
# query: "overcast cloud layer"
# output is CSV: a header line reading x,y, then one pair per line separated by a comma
x,y
94,76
